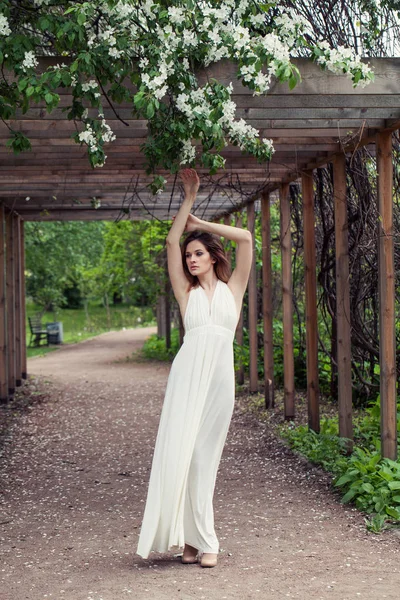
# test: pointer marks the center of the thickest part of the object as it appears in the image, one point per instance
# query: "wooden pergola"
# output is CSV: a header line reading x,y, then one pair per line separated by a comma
x,y
317,123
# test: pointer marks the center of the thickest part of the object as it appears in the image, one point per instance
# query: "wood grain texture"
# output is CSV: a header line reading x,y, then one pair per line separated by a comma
x,y
10,303
287,302
310,266
387,337
19,334
24,373
309,127
343,316
269,385
3,313
252,304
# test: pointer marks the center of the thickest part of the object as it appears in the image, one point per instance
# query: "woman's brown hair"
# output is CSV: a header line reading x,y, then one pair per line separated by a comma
x,y
214,246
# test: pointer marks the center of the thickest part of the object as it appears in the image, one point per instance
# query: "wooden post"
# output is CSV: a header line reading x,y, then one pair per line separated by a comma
x,y
181,328
3,314
267,301
24,373
287,303
342,299
387,337
10,302
310,267
251,220
228,221
17,284
239,328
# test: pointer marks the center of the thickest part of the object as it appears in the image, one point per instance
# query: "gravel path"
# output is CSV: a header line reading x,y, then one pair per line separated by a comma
x,y
75,473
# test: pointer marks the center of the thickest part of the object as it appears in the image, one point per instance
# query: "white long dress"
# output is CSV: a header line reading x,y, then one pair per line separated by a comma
x,y
194,423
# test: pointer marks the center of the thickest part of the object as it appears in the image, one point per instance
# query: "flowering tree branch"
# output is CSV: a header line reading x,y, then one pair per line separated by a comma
x,y
146,53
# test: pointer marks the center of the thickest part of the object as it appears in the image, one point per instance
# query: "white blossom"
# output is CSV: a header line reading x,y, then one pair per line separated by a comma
x,y
268,144
189,38
165,40
188,152
176,15
275,47
89,85
30,61
262,82
107,135
108,36
4,26
88,137
115,53
257,19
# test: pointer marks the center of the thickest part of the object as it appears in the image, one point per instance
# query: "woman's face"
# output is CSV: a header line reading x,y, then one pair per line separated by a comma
x,y
198,259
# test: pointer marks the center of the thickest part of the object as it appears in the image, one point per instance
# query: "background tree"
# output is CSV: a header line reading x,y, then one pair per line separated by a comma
x,y
55,255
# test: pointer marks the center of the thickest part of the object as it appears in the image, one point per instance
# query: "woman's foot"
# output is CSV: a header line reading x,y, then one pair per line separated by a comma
x,y
189,556
209,560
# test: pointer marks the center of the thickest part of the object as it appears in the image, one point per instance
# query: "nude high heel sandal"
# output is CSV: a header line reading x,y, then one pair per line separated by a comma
x,y
209,560
189,556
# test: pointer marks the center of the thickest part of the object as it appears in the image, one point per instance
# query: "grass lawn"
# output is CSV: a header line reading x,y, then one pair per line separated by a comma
x,y
77,326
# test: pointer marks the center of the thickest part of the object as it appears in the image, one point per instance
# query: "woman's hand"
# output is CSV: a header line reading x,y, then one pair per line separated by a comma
x,y
191,182
193,223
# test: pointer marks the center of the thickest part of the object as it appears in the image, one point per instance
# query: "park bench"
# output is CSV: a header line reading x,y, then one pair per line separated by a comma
x,y
37,332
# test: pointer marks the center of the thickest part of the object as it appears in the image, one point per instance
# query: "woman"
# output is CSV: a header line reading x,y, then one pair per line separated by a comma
x,y
199,398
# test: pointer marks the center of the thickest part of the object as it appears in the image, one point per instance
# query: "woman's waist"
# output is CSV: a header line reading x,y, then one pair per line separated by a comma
x,y
210,329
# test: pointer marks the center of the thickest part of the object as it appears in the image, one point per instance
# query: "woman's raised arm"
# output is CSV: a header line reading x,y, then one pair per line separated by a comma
x,y
240,276
177,275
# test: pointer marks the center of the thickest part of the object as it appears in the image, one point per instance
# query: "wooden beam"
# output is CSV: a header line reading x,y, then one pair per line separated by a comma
x,y
252,302
10,301
314,81
386,276
24,372
19,335
287,302
342,299
3,313
267,301
243,101
310,266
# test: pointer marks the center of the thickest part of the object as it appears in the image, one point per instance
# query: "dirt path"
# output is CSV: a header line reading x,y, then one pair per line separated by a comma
x,y
75,480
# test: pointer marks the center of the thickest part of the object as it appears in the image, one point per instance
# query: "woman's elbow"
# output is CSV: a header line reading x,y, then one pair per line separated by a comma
x,y
247,237
171,241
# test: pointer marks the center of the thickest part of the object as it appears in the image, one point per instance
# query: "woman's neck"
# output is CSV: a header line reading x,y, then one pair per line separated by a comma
x,y
208,281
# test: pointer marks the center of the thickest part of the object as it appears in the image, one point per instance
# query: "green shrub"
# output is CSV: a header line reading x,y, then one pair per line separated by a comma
x,y
325,448
155,347
372,483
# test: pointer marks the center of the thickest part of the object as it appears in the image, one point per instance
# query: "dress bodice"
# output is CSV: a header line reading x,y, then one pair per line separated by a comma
x,y
221,311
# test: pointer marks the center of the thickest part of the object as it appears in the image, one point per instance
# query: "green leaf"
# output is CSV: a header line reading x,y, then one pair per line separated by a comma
x,y
18,142
344,479
367,487
150,110
394,485
393,512
22,83
81,18
349,496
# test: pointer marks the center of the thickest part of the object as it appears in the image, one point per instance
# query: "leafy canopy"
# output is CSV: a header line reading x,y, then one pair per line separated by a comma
x,y
148,54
